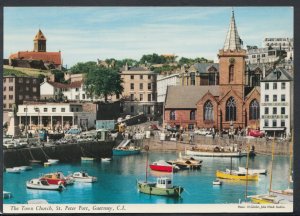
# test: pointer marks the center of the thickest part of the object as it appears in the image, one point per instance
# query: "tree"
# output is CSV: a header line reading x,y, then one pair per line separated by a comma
x,y
59,75
103,82
83,67
153,59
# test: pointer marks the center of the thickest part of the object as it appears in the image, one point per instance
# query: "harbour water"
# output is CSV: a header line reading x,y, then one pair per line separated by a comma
x,y
117,181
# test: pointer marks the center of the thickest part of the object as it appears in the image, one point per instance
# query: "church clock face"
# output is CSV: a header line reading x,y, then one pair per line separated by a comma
x,y
231,60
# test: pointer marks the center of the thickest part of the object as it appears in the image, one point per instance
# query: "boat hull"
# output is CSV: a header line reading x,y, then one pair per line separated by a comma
x,y
224,175
85,180
151,189
123,152
214,154
87,159
50,187
161,168
55,181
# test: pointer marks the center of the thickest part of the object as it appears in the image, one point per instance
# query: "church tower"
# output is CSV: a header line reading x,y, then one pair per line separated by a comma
x,y
39,42
232,62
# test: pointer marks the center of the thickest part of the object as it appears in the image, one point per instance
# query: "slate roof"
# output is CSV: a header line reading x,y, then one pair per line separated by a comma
x,y
278,74
232,41
203,67
180,97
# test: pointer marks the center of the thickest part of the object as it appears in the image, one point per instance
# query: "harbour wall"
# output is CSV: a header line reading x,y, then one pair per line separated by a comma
x,y
261,145
64,152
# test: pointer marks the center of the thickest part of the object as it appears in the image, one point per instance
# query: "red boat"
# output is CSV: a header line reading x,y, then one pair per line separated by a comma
x,y
163,166
256,133
57,178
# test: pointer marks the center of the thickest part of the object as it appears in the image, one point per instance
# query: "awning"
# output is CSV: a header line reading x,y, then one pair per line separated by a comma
x,y
274,128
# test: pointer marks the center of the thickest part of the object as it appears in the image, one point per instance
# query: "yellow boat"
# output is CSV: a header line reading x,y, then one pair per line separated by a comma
x,y
236,176
262,199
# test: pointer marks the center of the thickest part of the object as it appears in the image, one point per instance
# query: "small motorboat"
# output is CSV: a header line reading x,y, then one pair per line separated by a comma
x,y
42,184
184,163
35,161
162,187
253,171
37,201
24,168
236,175
83,177
217,182
87,159
57,179
53,161
163,166
105,159
13,170
7,195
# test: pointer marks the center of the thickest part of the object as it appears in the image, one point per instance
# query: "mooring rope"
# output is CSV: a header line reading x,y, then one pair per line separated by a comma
x,y
47,157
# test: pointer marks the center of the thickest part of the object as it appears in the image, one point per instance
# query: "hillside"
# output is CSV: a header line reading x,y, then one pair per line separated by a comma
x,y
18,71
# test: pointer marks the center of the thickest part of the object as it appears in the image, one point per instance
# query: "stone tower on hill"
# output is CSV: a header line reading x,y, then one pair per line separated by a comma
x,y
39,42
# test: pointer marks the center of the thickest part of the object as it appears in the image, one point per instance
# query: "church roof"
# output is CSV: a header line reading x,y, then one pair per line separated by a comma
x,y
204,67
186,97
233,40
53,57
278,74
40,36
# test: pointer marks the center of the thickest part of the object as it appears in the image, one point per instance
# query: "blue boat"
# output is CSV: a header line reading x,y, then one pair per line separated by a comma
x,y
124,148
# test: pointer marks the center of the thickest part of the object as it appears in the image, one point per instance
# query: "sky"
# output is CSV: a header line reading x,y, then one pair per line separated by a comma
x,y
90,33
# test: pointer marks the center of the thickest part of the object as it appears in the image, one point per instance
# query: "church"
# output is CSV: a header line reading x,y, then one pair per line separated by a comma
x,y
39,57
217,95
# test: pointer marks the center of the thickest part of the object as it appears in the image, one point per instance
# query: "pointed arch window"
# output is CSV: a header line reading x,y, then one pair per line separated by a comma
x,y
208,111
231,110
231,73
172,115
254,110
193,115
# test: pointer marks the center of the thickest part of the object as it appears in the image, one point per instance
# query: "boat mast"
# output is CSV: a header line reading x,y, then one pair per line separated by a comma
x,y
247,168
147,149
230,165
271,175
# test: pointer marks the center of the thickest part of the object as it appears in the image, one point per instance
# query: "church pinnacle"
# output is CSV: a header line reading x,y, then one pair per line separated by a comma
x,y
233,40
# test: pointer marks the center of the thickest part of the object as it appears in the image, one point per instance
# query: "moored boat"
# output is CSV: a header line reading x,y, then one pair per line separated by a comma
x,y
13,170
234,175
253,171
42,184
184,163
105,159
162,187
7,195
57,178
217,182
24,168
87,159
273,197
83,177
120,151
216,152
53,161
163,166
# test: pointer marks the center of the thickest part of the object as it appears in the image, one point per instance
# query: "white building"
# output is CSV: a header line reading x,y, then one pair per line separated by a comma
x,y
263,55
38,115
162,84
286,44
276,103
72,91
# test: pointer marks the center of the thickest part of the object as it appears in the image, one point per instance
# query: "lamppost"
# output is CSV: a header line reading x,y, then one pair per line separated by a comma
x,y
26,123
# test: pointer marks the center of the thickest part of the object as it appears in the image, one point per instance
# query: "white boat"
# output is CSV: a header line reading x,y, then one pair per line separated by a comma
x,y
217,182
253,171
53,161
37,201
43,185
24,168
105,159
7,195
87,159
216,152
13,170
83,177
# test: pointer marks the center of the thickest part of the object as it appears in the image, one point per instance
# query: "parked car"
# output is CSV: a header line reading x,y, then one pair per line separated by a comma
x,y
202,132
127,116
256,133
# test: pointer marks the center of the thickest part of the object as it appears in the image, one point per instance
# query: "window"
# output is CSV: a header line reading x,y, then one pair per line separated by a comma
x,y
27,80
77,97
266,86
141,76
11,80
63,109
282,123
274,98
77,109
254,110
131,97
266,110
4,106
132,109
231,73
9,105
282,110
274,85
11,97
282,98
4,97
4,88
45,109
10,88
274,110
149,97
149,86
20,97
141,97
253,56
4,79
283,85
34,81
131,86
266,98
263,55
141,86
193,82
117,96
266,123
53,109
27,88
172,115
132,77
193,115
231,110
274,123
77,89
149,76
72,109
208,111
83,96
20,80
34,89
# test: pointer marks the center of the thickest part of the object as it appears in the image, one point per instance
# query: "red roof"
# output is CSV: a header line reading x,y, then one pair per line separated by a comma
x,y
51,57
76,84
